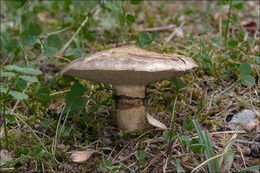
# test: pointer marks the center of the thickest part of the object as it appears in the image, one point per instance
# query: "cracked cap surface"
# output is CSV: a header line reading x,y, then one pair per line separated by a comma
x,y
129,65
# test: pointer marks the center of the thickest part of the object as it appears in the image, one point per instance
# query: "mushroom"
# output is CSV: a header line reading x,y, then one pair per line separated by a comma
x,y
129,70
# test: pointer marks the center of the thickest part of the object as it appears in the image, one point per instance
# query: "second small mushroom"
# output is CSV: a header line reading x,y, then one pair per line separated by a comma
x,y
129,70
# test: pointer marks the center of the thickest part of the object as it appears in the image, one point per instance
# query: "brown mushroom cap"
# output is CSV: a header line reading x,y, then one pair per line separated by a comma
x,y
129,65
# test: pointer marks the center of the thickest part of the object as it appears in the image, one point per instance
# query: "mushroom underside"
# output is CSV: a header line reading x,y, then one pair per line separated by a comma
x,y
124,77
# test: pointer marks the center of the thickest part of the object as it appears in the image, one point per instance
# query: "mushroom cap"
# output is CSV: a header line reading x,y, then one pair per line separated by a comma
x,y
129,65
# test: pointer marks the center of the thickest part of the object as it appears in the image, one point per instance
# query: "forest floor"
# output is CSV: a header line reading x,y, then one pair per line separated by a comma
x,y
39,134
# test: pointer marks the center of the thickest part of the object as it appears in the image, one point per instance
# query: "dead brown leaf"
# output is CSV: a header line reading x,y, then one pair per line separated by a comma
x,y
151,120
81,156
6,156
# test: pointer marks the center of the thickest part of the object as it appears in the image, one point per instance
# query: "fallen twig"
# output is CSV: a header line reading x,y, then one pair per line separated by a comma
x,y
62,50
174,32
241,153
160,28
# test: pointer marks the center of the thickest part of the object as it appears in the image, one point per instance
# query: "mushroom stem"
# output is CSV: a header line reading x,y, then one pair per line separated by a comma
x,y
130,107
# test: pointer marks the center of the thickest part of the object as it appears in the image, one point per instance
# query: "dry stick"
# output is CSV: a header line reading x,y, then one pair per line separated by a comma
x,y
241,153
62,50
165,165
161,28
247,142
60,57
174,32
60,92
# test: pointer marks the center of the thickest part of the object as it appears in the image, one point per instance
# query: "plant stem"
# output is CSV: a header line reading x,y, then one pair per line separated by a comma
x,y
220,25
172,126
62,50
5,128
4,115
229,15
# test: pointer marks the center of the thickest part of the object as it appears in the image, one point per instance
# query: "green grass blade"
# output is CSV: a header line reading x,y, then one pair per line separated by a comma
x,y
256,167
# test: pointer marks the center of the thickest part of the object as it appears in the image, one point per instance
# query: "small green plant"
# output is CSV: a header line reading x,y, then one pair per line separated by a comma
x,y
246,78
107,166
144,39
141,158
226,158
36,152
170,134
19,77
123,19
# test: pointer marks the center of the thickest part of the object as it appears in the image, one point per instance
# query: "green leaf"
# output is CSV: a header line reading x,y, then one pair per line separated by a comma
x,y
216,42
154,34
20,84
234,54
25,70
73,99
239,4
54,41
105,165
141,156
50,51
245,68
69,52
187,124
2,162
27,38
247,80
3,89
178,164
7,74
227,160
232,43
76,103
136,2
257,59
43,95
90,36
251,168
78,52
194,141
77,89
45,123
188,11
35,29
168,135
197,148
179,83
11,46
130,18
16,4
30,79
10,118
143,39
18,95
184,140
37,151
